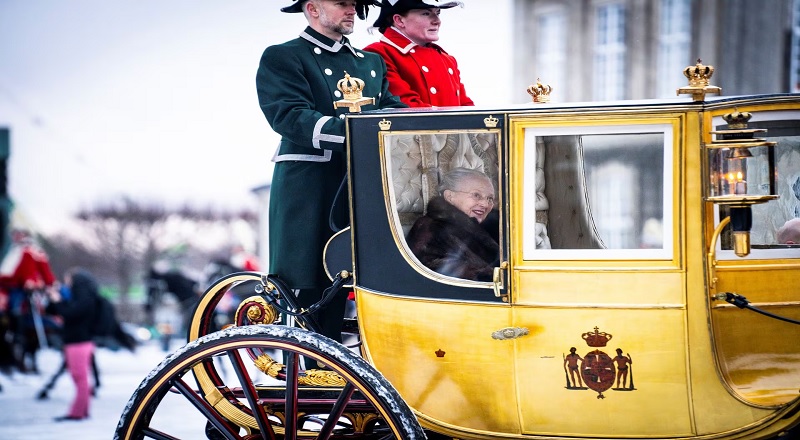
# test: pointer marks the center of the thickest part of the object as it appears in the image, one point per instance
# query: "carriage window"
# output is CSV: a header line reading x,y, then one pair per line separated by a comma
x,y
443,200
598,192
776,224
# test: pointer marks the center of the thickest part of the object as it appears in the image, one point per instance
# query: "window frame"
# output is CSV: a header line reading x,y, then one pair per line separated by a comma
x,y
528,251
392,214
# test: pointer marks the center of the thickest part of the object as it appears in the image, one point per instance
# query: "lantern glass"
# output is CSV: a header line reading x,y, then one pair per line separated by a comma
x,y
741,172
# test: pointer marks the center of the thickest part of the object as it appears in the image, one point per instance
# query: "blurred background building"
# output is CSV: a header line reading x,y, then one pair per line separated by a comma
x,y
598,50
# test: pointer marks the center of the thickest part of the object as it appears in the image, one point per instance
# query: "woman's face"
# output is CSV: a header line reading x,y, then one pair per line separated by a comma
x,y
474,197
420,25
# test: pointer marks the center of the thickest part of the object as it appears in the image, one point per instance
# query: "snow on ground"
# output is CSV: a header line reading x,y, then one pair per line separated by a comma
x,y
24,417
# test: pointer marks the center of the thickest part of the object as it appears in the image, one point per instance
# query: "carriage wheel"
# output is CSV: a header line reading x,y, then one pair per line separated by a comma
x,y
366,406
202,320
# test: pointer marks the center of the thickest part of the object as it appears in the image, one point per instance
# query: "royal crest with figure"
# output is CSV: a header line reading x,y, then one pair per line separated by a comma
x,y
597,370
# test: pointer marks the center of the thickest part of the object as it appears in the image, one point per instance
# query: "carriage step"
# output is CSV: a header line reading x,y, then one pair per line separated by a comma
x,y
350,326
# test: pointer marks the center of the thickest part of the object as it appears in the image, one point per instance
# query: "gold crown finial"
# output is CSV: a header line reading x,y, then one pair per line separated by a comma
x,y
596,338
491,121
385,124
698,76
540,92
737,120
352,88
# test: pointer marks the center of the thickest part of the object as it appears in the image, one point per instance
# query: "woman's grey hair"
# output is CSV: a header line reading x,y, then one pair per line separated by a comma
x,y
456,176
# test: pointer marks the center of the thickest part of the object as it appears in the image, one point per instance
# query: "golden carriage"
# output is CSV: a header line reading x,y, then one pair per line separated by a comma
x,y
637,241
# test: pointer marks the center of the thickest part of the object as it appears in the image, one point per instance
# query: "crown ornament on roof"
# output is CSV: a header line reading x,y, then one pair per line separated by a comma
x,y
737,120
540,92
699,76
596,338
352,88
737,137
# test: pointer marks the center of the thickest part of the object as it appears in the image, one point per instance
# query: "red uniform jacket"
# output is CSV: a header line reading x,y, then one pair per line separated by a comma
x,y
25,263
422,76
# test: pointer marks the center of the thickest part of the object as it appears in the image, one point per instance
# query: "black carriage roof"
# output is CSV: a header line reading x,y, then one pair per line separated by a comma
x,y
710,101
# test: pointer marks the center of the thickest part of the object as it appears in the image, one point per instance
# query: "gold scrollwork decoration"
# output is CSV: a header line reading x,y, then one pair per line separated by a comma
x,y
257,311
361,421
316,378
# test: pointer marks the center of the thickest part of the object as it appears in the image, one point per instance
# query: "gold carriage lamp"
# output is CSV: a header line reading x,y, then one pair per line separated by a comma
x,y
698,76
540,93
741,173
351,88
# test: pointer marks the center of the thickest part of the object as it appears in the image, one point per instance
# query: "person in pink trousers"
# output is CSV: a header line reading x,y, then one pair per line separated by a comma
x,y
78,313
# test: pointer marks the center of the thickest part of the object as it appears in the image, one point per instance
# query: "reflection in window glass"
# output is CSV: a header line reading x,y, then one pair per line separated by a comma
x,y
613,193
625,187
444,200
604,192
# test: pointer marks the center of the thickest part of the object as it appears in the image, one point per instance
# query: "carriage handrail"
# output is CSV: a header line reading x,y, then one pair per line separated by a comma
x,y
742,303
273,289
336,199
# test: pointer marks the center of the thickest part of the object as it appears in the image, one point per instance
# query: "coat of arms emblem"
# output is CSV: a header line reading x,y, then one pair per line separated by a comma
x,y
596,370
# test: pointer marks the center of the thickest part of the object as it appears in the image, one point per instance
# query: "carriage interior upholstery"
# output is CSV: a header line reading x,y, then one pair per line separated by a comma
x,y
571,222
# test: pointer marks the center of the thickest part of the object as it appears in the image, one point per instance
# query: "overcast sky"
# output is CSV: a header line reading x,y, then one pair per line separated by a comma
x,y
155,99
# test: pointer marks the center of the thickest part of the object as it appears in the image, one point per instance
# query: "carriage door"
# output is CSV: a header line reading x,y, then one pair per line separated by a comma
x,y
765,170
594,265
427,304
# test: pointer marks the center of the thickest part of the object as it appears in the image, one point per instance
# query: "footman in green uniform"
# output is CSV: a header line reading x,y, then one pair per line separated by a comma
x,y
297,88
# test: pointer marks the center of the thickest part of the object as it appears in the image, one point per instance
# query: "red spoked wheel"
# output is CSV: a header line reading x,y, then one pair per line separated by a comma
x,y
266,399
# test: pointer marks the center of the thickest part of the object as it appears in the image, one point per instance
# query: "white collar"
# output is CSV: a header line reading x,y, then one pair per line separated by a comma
x,y
330,48
405,49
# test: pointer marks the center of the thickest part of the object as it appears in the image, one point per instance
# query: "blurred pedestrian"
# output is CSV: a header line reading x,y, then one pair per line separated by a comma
x,y
24,273
168,320
78,313
106,332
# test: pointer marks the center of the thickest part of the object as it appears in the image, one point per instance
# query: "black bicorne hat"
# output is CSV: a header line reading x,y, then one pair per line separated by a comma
x,y
391,7
362,7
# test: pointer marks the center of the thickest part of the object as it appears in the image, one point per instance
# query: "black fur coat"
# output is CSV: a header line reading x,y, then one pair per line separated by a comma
x,y
452,243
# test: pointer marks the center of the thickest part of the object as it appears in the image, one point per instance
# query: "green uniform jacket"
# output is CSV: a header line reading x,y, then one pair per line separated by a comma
x,y
296,83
